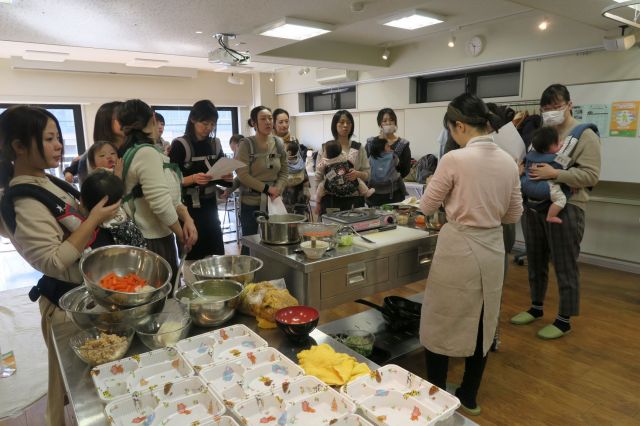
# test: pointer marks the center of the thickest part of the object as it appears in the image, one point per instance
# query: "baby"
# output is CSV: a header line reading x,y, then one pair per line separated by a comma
x,y
546,144
104,155
119,230
335,165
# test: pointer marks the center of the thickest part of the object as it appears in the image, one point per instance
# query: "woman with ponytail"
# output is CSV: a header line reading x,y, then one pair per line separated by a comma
x,y
479,186
152,186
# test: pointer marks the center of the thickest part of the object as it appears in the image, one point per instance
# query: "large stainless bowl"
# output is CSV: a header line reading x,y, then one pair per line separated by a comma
x,y
221,298
230,267
122,260
83,310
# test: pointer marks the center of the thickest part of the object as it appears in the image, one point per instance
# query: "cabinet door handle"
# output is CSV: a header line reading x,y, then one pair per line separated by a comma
x,y
356,274
424,259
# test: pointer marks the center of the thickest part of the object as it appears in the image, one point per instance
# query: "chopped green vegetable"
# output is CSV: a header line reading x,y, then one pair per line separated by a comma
x,y
362,345
346,240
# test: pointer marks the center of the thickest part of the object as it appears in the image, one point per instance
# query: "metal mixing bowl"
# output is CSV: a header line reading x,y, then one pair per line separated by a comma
x,y
235,268
122,260
222,297
83,310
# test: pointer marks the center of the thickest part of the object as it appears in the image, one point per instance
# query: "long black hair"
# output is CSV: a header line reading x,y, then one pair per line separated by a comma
x,y
103,124
203,110
134,115
24,124
472,111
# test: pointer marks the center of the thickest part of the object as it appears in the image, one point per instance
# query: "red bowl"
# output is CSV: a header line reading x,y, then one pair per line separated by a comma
x,y
297,321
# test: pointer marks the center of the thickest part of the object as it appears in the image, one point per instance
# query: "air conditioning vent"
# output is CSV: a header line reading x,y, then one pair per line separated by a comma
x,y
335,76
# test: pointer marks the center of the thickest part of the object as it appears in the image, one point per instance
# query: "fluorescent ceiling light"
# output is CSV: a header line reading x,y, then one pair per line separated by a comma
x,y
43,55
294,29
413,20
625,12
147,63
6,1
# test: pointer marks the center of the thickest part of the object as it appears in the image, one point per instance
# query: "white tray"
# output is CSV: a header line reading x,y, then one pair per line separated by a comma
x,y
256,373
394,408
439,403
220,421
302,406
183,402
138,373
219,346
351,420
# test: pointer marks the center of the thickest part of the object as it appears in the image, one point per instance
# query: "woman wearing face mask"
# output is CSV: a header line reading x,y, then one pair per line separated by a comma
x,y
296,195
266,172
392,192
563,240
462,297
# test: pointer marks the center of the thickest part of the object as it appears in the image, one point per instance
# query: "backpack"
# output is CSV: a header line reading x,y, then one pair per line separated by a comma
x,y
383,169
336,182
425,167
66,215
189,150
136,191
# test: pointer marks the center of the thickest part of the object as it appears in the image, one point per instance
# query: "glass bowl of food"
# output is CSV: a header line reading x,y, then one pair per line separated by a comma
x,y
98,346
360,341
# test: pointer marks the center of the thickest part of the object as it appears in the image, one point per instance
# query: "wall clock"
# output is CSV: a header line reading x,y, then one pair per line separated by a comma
x,y
474,46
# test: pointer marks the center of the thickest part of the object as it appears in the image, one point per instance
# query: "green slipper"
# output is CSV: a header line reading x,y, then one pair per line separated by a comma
x,y
452,388
523,318
550,331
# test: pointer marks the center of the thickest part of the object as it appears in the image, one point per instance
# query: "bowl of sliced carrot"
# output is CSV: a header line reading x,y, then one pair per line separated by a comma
x,y
124,276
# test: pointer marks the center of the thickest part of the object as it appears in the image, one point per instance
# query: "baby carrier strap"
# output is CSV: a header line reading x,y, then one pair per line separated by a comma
x,y
58,207
127,159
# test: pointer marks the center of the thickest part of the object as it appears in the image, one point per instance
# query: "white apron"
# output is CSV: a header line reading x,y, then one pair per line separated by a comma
x,y
466,274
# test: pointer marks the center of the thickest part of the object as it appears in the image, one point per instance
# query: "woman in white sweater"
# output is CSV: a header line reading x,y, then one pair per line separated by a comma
x,y
152,186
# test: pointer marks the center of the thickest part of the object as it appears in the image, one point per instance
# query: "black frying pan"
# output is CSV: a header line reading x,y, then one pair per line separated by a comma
x,y
398,312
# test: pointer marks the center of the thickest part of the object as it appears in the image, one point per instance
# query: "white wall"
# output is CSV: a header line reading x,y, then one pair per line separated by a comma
x,y
613,218
92,90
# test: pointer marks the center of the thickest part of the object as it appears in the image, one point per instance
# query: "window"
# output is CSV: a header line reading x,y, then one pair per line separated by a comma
x,y
494,82
175,122
330,99
70,118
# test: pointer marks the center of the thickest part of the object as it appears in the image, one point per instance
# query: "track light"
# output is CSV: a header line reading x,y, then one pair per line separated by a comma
x,y
452,41
272,77
304,71
232,79
544,24
386,54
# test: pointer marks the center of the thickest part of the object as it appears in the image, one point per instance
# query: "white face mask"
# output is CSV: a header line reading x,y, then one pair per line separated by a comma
x,y
553,118
389,129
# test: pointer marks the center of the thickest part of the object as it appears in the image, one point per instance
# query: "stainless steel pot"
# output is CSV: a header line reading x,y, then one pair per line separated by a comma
x,y
279,228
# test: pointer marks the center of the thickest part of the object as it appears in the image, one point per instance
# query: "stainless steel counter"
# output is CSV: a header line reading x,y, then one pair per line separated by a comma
x,y
89,409
345,273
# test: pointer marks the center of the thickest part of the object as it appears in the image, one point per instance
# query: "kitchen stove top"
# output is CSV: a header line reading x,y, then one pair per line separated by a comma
x,y
360,219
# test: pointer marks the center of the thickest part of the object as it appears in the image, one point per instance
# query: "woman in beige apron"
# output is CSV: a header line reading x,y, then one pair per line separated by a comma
x,y
480,189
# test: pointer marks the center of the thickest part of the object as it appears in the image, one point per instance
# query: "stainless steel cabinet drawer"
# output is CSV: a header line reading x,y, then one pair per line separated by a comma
x,y
355,275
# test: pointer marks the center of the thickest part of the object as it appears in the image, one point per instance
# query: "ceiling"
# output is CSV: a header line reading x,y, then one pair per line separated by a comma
x,y
117,31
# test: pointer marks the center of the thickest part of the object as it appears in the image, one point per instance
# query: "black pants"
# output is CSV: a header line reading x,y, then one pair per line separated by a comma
x,y
166,248
343,203
207,223
438,365
248,223
377,199
561,243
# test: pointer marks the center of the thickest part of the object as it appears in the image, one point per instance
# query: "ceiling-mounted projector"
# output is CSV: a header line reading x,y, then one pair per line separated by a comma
x,y
223,56
227,55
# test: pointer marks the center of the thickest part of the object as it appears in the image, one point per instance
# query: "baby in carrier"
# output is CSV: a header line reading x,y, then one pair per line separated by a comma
x,y
546,143
335,165
119,230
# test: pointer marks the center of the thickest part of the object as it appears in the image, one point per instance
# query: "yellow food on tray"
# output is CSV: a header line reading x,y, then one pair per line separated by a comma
x,y
333,368
263,300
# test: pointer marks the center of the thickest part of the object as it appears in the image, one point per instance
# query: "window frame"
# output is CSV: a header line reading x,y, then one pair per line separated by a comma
x,y
336,98
471,80
235,125
77,119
